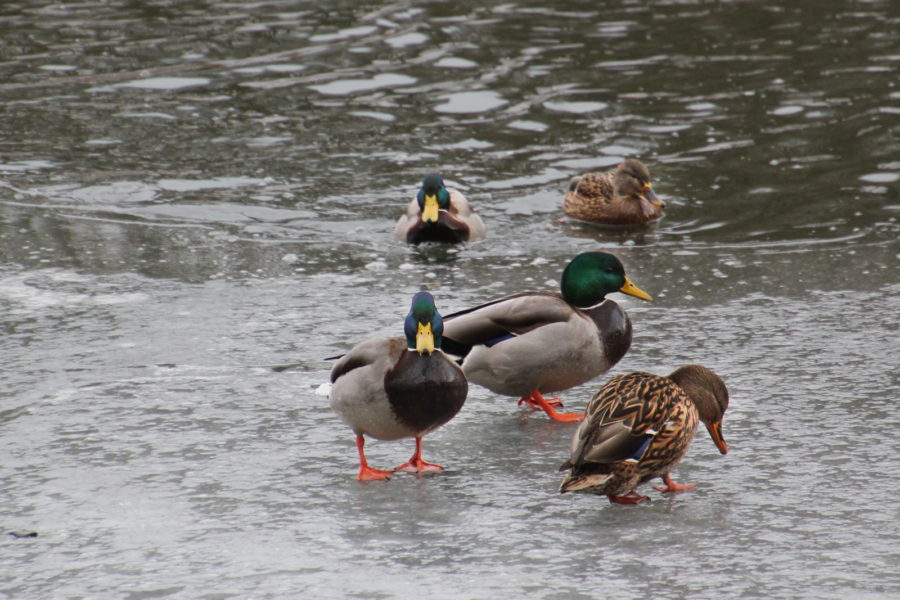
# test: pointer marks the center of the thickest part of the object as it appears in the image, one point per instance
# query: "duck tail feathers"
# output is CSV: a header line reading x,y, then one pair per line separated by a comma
x,y
575,482
455,349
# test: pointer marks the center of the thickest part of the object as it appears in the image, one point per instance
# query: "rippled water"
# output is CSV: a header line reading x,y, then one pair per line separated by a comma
x,y
194,193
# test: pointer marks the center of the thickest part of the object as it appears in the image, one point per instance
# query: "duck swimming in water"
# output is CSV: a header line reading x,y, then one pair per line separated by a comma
x,y
621,197
438,214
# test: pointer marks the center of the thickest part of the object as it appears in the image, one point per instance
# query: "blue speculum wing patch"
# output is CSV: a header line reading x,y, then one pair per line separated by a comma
x,y
642,448
497,340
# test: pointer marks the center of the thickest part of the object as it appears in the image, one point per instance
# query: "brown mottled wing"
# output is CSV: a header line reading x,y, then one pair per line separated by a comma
x,y
596,186
671,443
619,416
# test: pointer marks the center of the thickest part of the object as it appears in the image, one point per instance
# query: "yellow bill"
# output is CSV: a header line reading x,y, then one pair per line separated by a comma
x,y
424,339
430,210
632,290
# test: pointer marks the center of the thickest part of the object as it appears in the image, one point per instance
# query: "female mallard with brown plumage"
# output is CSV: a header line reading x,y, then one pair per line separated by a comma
x,y
621,197
392,388
638,426
437,214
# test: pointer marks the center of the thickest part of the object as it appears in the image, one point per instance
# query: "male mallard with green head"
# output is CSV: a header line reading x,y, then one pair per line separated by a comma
x,y
533,343
639,426
437,214
392,388
622,197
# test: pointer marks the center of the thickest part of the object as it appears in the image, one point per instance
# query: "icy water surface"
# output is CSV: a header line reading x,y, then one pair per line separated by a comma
x,y
193,194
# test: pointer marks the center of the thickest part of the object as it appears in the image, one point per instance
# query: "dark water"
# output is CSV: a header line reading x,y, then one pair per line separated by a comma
x,y
192,193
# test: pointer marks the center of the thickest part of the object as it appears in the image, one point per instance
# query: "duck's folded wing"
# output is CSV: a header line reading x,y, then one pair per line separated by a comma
x,y
407,219
412,209
498,320
462,211
459,205
615,442
370,352
622,419
595,185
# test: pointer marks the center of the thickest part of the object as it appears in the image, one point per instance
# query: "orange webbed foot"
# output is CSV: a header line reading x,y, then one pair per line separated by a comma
x,y
419,466
416,464
370,474
367,473
631,497
537,401
536,405
672,486
566,417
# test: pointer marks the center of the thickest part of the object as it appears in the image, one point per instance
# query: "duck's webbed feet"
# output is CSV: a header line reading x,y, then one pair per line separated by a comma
x,y
416,464
537,401
367,473
672,486
631,497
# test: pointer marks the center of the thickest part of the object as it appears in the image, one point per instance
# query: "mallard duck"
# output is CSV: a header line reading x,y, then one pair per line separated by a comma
x,y
638,426
392,388
622,197
437,214
532,343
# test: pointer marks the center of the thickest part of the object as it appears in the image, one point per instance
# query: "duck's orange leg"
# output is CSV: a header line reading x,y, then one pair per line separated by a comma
x,y
367,473
537,401
416,464
532,403
631,497
672,486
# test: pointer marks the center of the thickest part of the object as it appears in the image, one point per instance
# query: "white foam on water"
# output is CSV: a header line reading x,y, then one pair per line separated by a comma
x,y
165,83
471,102
39,291
407,39
344,34
579,108
452,62
344,87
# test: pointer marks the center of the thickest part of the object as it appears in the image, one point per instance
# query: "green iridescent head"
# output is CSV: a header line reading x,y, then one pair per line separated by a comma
x,y
590,276
423,325
432,197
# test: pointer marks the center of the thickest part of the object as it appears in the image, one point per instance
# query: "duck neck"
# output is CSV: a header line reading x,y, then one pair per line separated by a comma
x,y
582,295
